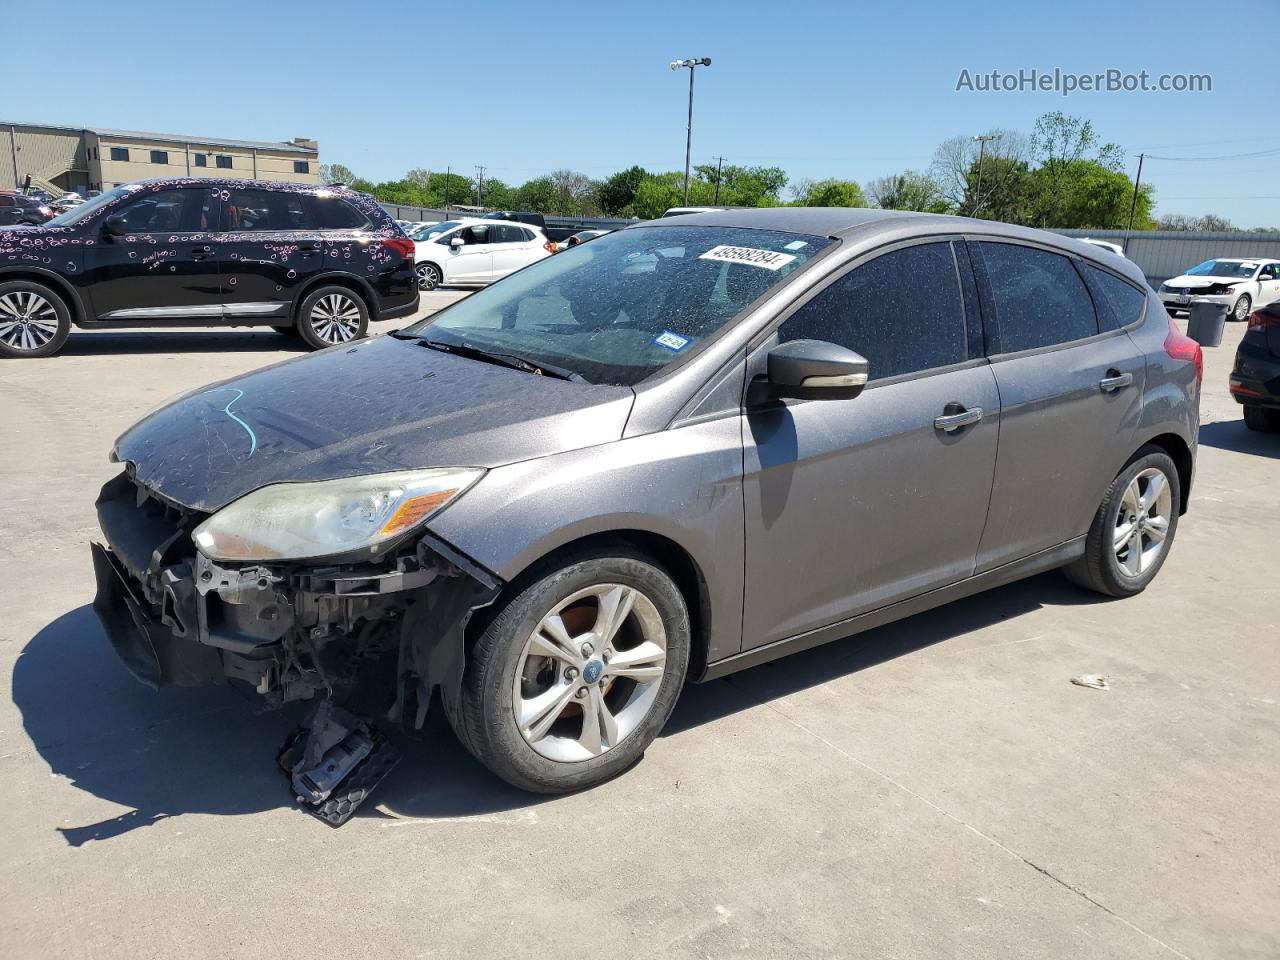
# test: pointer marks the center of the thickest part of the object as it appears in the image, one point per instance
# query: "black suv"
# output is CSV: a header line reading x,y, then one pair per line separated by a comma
x,y
315,261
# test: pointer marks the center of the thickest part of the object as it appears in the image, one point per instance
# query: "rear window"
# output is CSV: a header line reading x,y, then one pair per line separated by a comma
x,y
1125,300
334,213
1039,297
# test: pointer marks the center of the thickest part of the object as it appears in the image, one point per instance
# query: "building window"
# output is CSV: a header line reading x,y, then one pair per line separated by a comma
x,y
202,159
223,161
160,156
301,166
120,153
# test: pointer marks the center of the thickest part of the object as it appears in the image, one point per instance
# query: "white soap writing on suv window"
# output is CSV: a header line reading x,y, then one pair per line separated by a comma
x,y
766,259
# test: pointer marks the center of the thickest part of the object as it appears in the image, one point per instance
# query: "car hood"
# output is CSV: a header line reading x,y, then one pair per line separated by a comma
x,y
1198,282
381,405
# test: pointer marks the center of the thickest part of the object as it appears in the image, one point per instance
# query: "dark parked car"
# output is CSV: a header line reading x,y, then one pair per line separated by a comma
x,y
676,451
18,209
1255,379
317,261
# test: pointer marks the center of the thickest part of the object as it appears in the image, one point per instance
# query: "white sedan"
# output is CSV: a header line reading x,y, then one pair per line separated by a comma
x,y
1242,284
474,252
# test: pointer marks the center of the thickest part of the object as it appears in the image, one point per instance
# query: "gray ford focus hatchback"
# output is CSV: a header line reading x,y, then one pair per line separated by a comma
x,y
682,449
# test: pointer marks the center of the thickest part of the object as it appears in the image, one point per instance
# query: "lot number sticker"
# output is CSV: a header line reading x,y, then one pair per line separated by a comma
x,y
765,259
672,341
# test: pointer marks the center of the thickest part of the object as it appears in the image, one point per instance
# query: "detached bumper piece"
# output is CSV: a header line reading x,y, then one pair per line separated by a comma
x,y
334,761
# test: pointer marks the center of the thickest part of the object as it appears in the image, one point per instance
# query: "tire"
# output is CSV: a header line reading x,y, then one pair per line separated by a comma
x,y
1240,312
286,330
331,316
34,321
429,276
505,671
1261,419
1102,569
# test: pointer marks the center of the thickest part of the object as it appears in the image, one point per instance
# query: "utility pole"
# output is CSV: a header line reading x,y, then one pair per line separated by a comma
x,y
982,153
1133,205
719,166
688,139
479,186
447,177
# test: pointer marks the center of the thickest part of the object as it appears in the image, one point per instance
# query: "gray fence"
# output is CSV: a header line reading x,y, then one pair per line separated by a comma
x,y
1161,254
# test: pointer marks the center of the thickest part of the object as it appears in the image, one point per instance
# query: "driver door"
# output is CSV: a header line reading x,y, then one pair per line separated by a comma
x,y
472,262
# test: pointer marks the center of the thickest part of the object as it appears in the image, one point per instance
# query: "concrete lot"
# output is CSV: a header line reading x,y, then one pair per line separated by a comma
x,y
936,788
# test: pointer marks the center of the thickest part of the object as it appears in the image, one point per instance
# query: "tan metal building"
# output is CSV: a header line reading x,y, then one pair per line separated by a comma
x,y
77,158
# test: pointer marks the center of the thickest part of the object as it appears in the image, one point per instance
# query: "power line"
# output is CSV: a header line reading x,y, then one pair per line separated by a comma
x,y
1230,156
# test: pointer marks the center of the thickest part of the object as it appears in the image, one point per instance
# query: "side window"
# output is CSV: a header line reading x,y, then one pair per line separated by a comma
x,y
261,210
506,233
164,211
902,311
1126,301
334,213
480,233
1039,298
527,235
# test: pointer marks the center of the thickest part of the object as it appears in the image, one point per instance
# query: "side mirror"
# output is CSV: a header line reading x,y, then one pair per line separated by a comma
x,y
815,370
456,242
116,225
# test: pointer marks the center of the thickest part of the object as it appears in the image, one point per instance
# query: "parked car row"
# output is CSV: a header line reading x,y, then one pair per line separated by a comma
x,y
318,262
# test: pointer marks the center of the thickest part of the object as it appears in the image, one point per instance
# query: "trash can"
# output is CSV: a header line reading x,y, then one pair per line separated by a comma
x,y
1207,322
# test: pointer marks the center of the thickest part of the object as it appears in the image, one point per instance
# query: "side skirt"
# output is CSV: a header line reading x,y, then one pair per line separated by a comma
x,y
1040,562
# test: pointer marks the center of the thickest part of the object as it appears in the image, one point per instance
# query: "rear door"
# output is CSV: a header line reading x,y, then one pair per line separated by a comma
x,y
270,244
514,247
165,267
1070,397
855,504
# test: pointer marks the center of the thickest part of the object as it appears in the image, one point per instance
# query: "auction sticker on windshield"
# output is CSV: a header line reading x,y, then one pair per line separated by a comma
x,y
767,259
672,341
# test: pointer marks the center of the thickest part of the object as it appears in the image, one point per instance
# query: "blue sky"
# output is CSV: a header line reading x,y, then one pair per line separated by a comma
x,y
844,89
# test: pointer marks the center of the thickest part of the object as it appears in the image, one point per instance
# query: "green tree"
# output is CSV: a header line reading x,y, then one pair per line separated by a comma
x,y
1001,189
739,186
1087,194
833,193
908,190
538,195
657,194
617,192
337,173
497,195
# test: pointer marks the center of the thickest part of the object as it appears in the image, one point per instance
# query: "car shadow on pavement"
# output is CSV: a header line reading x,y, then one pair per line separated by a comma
x,y
1234,435
212,749
84,343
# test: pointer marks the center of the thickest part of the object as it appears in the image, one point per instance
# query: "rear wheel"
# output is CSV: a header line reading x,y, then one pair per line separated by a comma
x,y
576,674
332,315
429,276
1262,419
34,321
1133,528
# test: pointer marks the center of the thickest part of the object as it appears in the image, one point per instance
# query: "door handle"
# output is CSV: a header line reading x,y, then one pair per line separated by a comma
x,y
199,253
306,249
1115,380
950,422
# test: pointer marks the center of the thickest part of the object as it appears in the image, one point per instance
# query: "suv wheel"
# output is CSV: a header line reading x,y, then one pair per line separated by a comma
x,y
428,276
1133,528
332,315
1262,419
1241,310
576,674
34,321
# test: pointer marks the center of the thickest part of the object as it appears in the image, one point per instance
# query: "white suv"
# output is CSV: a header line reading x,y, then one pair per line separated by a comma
x,y
474,252
1242,284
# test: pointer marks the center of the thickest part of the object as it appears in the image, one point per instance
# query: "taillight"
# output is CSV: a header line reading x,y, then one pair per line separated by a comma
x,y
550,247
1181,347
1266,318
401,245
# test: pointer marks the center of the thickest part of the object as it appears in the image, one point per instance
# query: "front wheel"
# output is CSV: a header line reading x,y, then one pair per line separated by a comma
x,y
34,321
428,276
1241,310
1133,529
332,315
576,674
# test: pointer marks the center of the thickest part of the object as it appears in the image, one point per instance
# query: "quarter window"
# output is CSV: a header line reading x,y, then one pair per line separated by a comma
x,y
1127,302
160,156
332,213
902,311
1039,297
223,161
120,153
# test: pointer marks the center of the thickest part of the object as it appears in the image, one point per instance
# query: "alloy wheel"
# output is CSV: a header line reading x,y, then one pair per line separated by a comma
x,y
1241,311
335,318
27,320
589,673
1142,525
428,276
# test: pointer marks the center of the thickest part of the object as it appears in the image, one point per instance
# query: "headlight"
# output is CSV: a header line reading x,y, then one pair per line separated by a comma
x,y
298,521
1164,288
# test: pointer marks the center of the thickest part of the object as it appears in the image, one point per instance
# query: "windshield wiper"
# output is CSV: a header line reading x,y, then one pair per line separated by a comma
x,y
511,360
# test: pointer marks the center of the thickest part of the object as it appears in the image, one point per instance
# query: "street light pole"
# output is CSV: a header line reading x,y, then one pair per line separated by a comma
x,y
1133,205
982,152
688,140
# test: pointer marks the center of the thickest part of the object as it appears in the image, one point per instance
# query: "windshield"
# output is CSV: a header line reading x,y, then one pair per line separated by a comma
x,y
1223,268
86,209
434,229
622,307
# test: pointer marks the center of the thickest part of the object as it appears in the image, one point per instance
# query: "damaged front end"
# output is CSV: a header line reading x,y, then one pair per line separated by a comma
x,y
381,634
